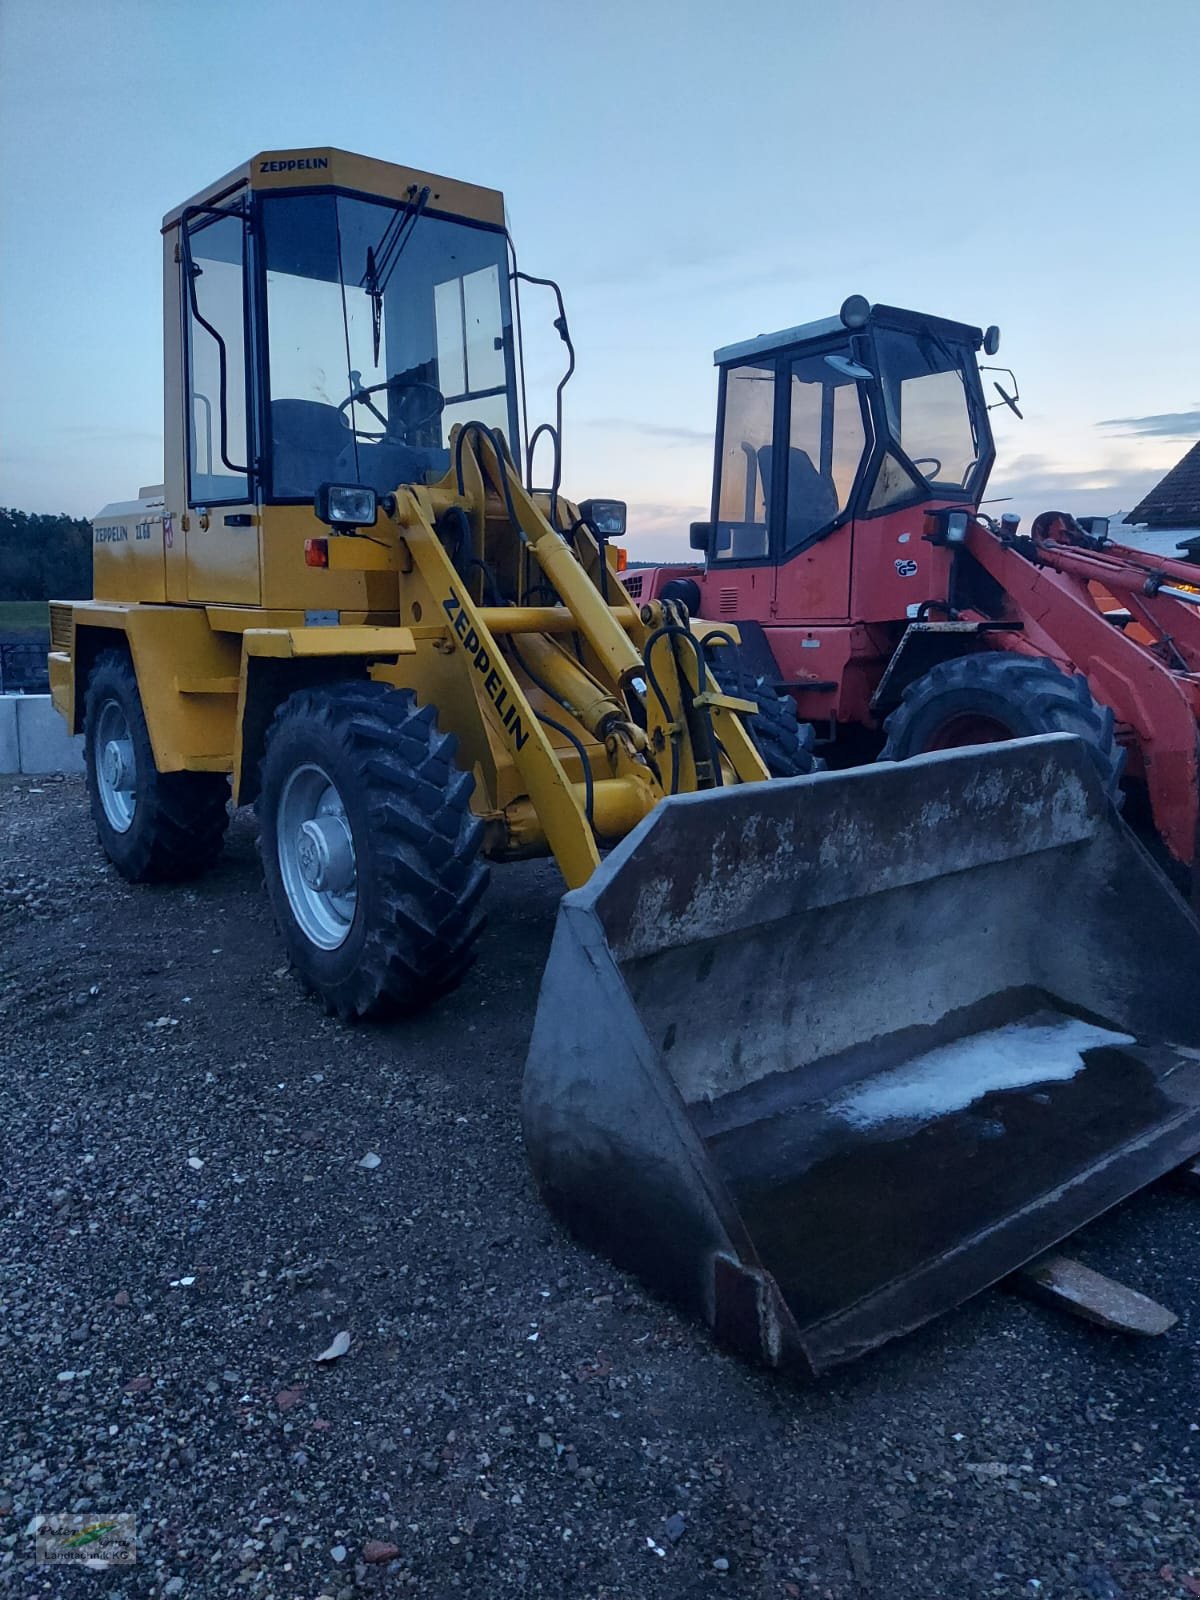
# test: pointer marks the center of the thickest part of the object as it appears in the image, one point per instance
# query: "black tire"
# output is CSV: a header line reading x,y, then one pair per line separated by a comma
x,y
179,818
782,740
416,843
1016,696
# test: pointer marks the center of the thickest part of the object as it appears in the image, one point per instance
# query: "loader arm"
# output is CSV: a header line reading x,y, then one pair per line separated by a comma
x,y
519,667
624,636
558,807
1062,620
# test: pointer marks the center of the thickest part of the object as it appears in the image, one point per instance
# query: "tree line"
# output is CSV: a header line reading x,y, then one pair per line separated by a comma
x,y
44,557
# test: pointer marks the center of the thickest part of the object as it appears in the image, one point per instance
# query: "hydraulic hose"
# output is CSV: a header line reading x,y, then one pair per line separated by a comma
x,y
502,458
589,791
673,631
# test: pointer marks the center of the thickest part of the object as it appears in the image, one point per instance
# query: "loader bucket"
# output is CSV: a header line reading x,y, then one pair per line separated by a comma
x,y
823,1057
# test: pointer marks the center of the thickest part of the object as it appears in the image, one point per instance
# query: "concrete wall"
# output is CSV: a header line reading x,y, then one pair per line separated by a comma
x,y
10,760
34,738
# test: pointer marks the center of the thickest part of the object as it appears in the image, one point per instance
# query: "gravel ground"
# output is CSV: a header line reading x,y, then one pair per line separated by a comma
x,y
187,1223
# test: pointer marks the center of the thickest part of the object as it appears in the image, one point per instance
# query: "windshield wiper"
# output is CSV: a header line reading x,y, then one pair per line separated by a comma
x,y
381,261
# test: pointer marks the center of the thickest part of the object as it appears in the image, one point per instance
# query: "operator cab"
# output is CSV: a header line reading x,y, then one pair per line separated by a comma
x,y
850,417
340,316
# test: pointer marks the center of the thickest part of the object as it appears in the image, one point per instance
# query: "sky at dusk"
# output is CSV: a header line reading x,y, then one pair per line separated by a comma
x,y
692,174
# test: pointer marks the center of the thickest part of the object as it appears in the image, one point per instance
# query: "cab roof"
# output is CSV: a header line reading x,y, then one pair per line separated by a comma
x,y
826,327
327,168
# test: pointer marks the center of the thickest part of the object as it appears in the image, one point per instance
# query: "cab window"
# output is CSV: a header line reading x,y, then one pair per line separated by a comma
x,y
826,443
744,486
384,329
217,442
929,406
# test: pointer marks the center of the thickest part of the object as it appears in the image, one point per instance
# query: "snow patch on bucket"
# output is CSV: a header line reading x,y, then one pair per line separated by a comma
x,y
953,1076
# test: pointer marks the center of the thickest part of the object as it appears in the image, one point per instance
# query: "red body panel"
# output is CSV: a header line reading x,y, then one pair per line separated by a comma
x,y
895,567
815,584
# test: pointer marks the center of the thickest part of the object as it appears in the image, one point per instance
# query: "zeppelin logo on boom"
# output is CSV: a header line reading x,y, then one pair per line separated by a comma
x,y
298,164
492,686
115,533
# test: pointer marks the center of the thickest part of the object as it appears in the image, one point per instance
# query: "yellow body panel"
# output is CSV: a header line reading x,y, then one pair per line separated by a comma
x,y
291,643
183,670
128,552
224,560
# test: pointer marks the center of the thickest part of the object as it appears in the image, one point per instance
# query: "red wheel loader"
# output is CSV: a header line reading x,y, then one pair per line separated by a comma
x,y
847,544
824,1095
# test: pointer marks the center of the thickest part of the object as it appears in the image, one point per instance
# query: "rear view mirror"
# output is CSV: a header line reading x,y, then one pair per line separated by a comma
x,y
1006,399
700,535
848,368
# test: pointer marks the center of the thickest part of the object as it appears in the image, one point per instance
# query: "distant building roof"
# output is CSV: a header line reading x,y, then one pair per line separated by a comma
x,y
1175,501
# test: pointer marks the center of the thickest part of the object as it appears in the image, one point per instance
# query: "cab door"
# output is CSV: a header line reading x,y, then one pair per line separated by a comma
x,y
220,521
739,579
823,424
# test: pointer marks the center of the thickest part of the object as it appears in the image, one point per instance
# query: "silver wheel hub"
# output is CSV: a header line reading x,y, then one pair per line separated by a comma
x,y
325,854
117,760
315,848
116,766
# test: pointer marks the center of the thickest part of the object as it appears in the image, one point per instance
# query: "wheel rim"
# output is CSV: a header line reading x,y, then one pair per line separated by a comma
x,y
116,766
970,727
316,857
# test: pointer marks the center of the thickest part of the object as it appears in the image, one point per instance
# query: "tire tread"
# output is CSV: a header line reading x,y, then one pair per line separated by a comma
x,y
1053,701
425,847
184,815
784,742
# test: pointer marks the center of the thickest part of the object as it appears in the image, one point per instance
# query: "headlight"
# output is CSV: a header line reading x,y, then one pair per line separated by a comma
x,y
947,527
956,527
606,518
345,505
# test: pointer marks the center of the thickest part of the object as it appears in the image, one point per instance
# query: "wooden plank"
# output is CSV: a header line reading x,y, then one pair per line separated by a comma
x,y
1067,1284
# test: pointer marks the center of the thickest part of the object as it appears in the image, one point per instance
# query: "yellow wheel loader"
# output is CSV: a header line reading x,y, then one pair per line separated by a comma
x,y
818,1056
346,600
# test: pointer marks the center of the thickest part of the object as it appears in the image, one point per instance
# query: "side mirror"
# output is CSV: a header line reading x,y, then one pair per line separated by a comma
x,y
991,340
1006,399
848,368
700,535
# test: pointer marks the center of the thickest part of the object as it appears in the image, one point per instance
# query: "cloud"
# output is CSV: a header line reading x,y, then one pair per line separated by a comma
x,y
658,530
1037,483
1161,425
656,430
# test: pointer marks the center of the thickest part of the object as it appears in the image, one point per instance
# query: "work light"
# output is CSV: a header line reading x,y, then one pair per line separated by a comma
x,y
956,527
606,518
345,505
944,526
856,311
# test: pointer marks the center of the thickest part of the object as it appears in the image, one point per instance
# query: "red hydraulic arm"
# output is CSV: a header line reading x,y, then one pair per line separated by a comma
x,y
1149,675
